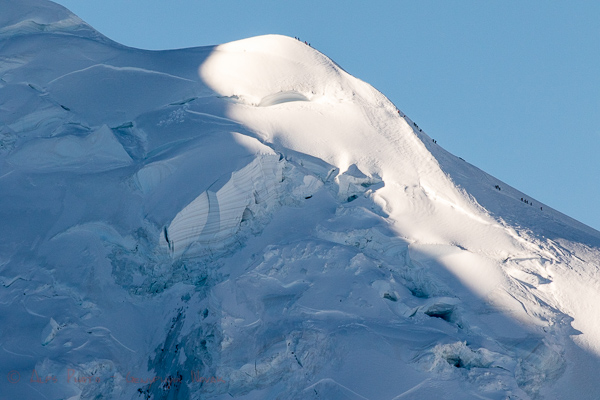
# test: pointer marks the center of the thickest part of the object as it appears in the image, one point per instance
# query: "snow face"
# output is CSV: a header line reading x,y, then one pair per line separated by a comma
x,y
250,221
96,152
216,215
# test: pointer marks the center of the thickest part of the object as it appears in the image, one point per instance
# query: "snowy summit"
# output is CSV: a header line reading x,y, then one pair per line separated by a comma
x,y
250,221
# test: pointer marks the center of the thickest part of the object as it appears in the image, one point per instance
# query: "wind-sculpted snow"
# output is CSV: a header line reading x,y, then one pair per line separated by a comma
x,y
281,97
22,17
250,221
217,214
109,94
96,152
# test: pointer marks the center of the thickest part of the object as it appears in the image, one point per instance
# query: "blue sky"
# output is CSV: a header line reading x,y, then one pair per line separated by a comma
x,y
512,87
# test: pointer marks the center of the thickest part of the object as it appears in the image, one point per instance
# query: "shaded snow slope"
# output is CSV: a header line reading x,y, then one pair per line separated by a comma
x,y
250,221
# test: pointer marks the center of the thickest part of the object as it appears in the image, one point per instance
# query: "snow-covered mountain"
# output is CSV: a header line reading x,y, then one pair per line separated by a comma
x,y
250,221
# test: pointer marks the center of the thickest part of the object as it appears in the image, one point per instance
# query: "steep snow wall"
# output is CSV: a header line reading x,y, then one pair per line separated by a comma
x,y
216,215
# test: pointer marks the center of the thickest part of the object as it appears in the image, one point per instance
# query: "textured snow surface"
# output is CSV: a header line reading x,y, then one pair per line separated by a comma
x,y
250,221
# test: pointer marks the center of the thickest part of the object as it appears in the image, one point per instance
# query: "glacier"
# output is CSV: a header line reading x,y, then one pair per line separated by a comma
x,y
250,221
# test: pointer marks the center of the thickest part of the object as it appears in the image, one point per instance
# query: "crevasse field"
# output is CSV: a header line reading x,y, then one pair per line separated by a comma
x,y
249,221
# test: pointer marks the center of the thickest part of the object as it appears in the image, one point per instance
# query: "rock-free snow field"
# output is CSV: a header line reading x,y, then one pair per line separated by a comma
x,y
250,221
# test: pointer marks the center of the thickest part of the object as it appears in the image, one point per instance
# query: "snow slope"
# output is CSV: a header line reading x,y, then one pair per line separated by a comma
x,y
250,221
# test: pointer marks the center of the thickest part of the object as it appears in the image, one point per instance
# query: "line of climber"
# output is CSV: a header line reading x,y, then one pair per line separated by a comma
x,y
402,115
305,42
529,202
417,126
